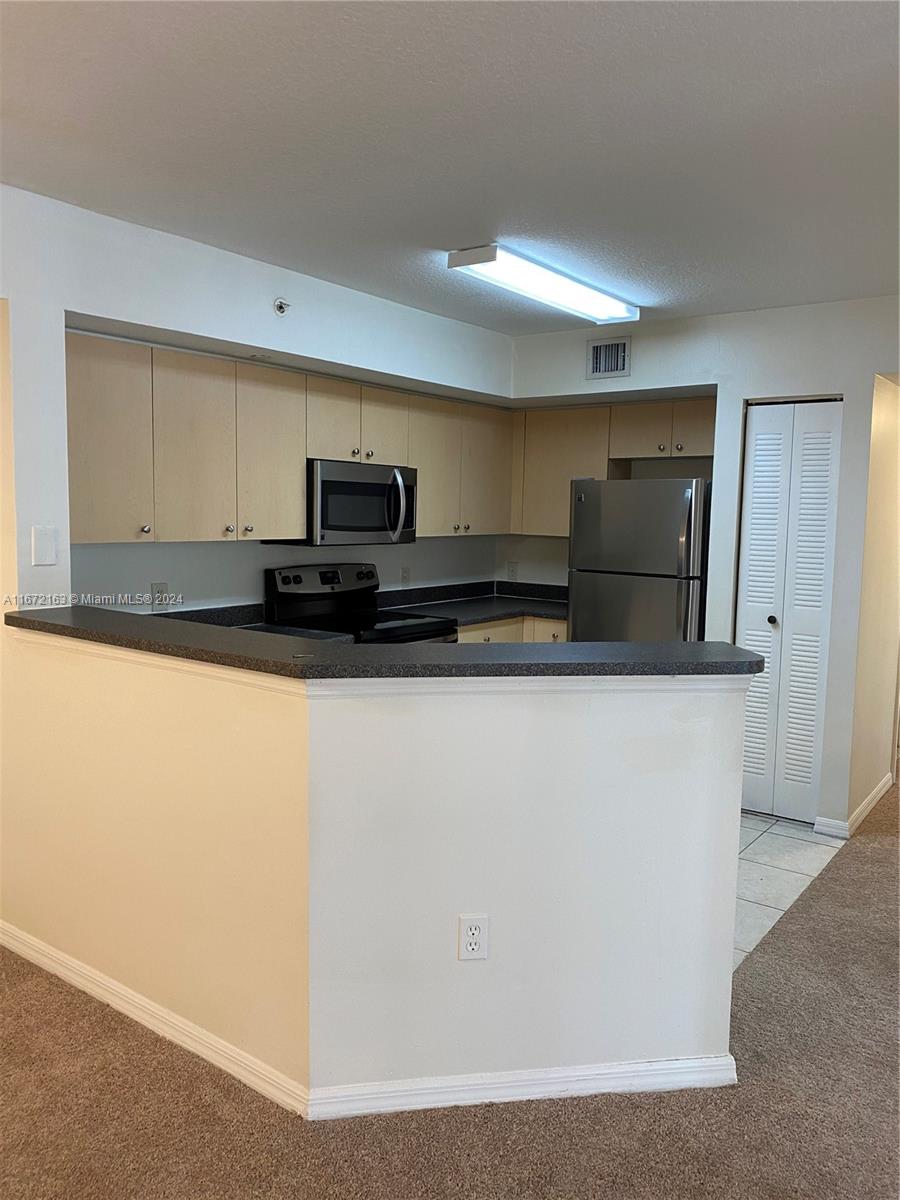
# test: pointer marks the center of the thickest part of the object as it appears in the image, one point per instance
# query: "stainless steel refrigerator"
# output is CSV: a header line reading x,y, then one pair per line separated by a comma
x,y
637,560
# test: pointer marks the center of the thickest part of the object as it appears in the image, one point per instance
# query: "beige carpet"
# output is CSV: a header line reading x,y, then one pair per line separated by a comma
x,y
97,1107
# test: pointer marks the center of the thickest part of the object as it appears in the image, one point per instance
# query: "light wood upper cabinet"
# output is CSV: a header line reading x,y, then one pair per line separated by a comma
x,y
194,447
435,449
333,408
384,423
110,422
693,426
561,444
487,449
640,431
271,453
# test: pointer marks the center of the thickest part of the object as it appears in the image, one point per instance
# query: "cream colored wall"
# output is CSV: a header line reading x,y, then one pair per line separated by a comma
x,y
7,500
155,828
873,749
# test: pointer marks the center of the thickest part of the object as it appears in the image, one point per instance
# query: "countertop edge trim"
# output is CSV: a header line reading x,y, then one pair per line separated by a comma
x,y
485,684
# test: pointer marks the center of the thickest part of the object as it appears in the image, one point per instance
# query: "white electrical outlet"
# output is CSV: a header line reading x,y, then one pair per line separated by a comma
x,y
404,576
472,936
157,591
512,571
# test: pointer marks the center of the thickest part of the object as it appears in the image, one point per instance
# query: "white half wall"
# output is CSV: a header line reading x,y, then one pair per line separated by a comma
x,y
590,961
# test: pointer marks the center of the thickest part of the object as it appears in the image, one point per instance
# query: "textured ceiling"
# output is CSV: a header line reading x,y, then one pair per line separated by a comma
x,y
690,157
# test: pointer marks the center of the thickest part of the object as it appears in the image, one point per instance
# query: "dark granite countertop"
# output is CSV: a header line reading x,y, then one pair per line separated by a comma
x,y
493,608
304,658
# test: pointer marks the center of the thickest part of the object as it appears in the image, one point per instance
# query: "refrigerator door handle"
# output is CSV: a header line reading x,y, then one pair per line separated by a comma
x,y
684,531
687,608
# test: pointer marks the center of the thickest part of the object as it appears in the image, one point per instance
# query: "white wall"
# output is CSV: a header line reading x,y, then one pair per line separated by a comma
x,y
213,573
57,258
814,350
873,751
589,959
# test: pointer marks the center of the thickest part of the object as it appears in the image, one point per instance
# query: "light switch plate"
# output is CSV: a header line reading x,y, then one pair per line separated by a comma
x,y
44,539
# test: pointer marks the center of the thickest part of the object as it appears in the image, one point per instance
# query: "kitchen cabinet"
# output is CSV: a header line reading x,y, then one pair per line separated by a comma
x,y
194,444
435,449
384,425
544,629
109,393
693,426
493,631
561,444
351,423
333,413
670,430
271,453
487,448
640,431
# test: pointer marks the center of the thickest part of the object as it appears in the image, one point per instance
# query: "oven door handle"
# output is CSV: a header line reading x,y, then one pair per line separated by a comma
x,y
398,479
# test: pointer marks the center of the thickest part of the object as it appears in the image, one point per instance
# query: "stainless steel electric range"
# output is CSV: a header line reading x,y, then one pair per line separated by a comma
x,y
340,598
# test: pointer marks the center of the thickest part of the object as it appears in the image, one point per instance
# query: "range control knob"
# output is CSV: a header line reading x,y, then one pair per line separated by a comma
x,y
297,579
370,574
360,575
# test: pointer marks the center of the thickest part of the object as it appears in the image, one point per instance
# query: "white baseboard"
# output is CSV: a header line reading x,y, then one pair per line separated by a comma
x,y
394,1096
551,1083
843,829
258,1075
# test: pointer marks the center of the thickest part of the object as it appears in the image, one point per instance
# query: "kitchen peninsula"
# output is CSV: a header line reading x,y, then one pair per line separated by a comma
x,y
267,847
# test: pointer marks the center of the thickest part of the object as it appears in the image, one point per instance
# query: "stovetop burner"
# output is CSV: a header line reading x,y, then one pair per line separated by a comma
x,y
340,598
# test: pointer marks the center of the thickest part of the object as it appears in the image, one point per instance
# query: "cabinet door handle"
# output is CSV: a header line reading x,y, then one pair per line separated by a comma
x,y
248,529
466,528
229,529
145,529
772,619
370,454
679,446
661,446
486,638
456,528
554,637
355,451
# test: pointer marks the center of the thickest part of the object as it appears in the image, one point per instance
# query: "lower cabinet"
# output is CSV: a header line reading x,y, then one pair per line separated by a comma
x,y
543,629
493,631
515,629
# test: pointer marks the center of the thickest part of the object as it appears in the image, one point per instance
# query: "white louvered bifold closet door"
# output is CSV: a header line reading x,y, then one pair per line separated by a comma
x,y
784,598
809,576
764,523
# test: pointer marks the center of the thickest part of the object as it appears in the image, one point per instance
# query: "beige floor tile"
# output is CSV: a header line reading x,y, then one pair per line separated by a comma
x,y
752,923
769,885
756,821
738,958
805,833
790,853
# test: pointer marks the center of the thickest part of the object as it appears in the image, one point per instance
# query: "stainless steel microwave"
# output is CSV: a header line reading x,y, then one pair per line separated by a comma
x,y
360,504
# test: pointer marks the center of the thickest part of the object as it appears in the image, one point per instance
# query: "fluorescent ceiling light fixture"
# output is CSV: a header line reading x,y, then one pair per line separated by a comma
x,y
504,269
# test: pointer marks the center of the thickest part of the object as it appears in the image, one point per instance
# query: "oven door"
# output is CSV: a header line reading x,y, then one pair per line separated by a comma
x,y
361,504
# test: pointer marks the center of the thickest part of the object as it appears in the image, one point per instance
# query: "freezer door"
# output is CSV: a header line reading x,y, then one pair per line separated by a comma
x,y
633,608
640,526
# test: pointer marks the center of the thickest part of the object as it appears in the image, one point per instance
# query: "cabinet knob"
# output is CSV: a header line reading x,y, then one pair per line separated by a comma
x,y
486,638
679,446
555,637
145,529
355,451
467,527
370,454
248,529
229,529
661,446
456,528
772,619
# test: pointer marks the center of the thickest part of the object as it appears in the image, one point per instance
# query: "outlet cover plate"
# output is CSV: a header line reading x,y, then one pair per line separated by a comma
x,y
472,936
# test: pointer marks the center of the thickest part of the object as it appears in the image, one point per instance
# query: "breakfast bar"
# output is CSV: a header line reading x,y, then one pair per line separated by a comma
x,y
272,849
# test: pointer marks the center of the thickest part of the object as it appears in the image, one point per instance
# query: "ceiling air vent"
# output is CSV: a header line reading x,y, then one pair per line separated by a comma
x,y
611,356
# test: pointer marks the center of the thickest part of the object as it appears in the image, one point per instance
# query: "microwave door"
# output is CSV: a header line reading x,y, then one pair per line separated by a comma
x,y
356,504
